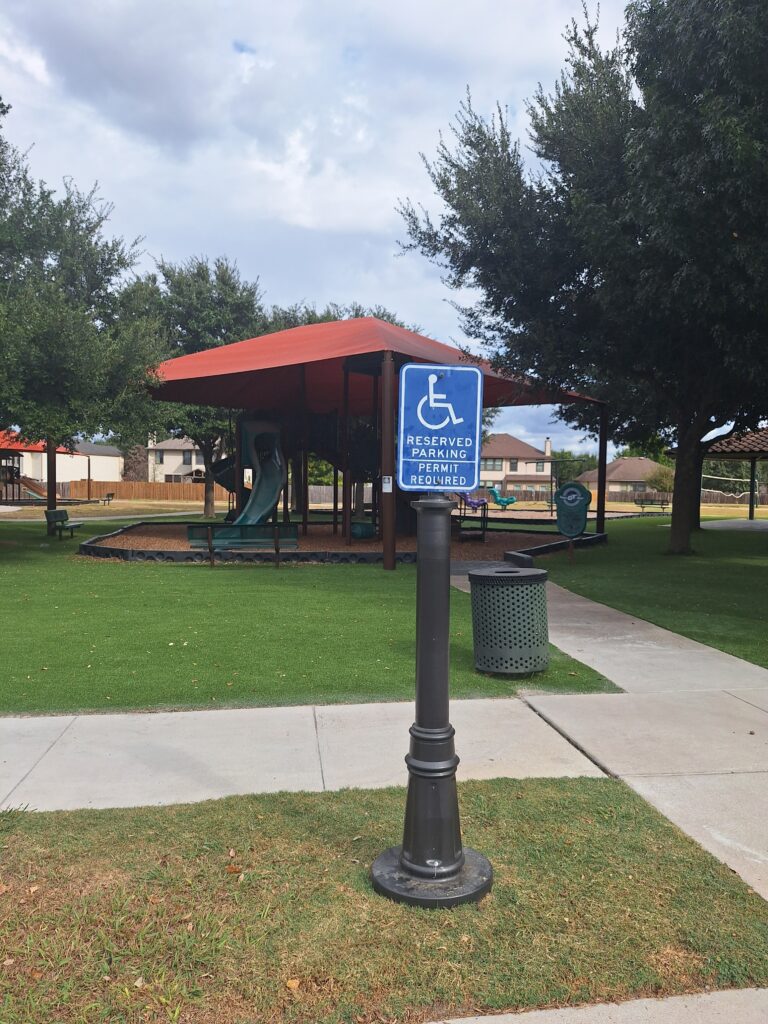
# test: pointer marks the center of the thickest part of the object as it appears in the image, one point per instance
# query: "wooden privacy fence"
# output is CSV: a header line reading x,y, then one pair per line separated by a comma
x,y
140,490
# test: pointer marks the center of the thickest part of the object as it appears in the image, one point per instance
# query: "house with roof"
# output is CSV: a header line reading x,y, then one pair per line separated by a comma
x,y
515,467
176,460
625,476
89,460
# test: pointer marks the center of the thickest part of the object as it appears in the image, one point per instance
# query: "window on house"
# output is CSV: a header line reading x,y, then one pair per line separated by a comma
x,y
539,467
159,456
199,460
186,458
513,465
492,465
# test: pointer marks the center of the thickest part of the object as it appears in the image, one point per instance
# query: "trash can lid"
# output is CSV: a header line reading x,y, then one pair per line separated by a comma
x,y
507,576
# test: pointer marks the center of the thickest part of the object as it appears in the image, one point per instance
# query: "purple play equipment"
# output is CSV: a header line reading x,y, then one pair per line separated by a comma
x,y
473,503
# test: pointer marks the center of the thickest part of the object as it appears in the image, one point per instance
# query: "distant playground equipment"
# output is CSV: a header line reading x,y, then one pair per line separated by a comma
x,y
472,516
499,500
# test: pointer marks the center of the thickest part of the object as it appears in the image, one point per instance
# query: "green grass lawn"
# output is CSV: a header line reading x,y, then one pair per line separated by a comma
x,y
259,909
717,596
85,634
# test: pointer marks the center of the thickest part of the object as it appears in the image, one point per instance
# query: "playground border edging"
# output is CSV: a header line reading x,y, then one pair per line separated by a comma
x,y
97,548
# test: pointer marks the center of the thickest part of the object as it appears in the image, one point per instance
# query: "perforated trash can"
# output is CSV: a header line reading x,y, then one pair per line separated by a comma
x,y
509,620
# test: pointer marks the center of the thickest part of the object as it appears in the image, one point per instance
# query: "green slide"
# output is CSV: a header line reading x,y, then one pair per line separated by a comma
x,y
261,452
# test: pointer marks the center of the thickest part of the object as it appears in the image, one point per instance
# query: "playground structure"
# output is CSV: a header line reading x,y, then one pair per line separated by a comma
x,y
330,389
472,516
501,501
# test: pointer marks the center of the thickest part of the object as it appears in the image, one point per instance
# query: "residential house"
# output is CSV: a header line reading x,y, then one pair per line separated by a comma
x,y
88,460
175,461
624,477
514,467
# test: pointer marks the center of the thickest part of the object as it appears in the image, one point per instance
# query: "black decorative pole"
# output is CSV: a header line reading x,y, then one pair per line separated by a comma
x,y
431,868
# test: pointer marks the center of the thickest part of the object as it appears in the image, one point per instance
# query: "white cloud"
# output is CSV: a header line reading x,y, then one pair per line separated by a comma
x,y
280,134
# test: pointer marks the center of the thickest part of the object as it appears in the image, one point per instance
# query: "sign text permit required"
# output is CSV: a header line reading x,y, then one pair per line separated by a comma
x,y
441,411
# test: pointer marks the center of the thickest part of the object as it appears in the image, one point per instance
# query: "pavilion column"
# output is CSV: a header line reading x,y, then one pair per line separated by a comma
x,y
375,429
602,465
752,487
388,459
335,500
346,479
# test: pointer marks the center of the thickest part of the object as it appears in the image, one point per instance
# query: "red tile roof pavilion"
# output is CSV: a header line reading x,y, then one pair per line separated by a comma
x,y
348,367
268,372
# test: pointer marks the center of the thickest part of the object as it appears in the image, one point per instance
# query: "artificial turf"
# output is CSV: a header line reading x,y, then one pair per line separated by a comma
x,y
260,909
82,634
717,595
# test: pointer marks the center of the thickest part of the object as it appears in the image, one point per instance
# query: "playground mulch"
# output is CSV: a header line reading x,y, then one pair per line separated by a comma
x,y
173,537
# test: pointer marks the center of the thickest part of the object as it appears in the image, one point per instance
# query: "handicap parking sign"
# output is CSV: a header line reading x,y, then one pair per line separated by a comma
x,y
441,412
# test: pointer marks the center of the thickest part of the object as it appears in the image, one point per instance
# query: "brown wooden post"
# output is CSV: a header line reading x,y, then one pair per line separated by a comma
x,y
304,455
602,465
238,466
388,459
335,500
304,492
752,486
346,480
375,423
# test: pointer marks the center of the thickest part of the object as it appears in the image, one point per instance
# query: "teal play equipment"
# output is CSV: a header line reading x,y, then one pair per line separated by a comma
x,y
261,452
498,500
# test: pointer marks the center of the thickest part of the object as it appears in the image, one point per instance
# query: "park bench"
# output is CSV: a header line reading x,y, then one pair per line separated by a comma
x,y
107,499
247,535
661,503
59,519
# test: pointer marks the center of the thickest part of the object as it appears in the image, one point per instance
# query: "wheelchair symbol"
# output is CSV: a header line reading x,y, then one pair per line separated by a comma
x,y
437,401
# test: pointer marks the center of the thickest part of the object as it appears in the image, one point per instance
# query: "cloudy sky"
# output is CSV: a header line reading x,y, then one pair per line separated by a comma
x,y
281,134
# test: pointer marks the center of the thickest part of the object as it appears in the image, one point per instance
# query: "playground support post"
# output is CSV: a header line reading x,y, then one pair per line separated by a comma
x,y
346,479
335,500
388,459
752,486
432,868
602,467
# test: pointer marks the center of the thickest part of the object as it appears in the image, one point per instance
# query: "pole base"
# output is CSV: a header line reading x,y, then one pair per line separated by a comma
x,y
468,885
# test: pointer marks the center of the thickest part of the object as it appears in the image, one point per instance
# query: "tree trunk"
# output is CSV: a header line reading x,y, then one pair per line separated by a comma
x,y
687,490
50,460
696,492
209,509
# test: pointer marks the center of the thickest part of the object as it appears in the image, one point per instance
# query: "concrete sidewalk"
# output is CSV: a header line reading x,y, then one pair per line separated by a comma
x,y
690,735
68,762
745,1006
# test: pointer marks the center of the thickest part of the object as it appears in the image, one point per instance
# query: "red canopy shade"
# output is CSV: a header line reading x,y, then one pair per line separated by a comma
x,y
303,368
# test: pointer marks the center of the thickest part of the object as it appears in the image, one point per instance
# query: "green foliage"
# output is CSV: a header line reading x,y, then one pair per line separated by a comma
x,y
662,479
633,267
70,362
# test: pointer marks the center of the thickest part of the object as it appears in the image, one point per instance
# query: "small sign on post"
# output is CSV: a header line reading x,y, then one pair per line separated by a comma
x,y
439,450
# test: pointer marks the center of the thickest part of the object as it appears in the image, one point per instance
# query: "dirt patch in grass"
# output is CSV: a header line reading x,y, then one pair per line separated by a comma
x,y
260,909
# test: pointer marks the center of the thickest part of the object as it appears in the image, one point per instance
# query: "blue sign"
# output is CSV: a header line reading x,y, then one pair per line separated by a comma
x,y
441,412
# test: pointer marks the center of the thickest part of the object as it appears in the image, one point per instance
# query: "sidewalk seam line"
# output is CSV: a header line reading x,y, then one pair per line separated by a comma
x,y
317,744
582,750
44,754
745,701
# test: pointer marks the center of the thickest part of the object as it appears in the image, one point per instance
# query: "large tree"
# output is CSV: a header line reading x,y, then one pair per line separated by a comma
x,y
70,361
203,305
631,264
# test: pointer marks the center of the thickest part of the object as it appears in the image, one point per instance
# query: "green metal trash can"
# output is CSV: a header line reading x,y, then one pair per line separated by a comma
x,y
509,620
